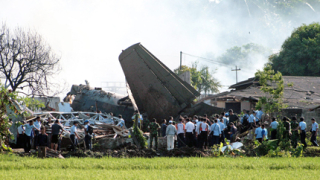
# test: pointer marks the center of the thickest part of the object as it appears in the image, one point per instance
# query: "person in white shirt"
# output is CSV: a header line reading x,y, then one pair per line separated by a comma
x,y
189,132
274,126
314,131
204,128
302,127
21,135
181,133
171,131
37,125
216,133
222,128
74,135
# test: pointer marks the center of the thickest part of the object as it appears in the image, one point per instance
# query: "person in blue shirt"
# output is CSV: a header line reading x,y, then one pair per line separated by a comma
x,y
216,132
222,128
252,119
274,127
302,127
264,133
29,128
259,114
258,133
314,131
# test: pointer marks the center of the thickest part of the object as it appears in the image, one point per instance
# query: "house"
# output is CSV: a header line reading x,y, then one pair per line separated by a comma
x,y
301,94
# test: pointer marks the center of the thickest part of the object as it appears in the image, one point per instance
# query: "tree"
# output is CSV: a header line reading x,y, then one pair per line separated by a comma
x,y
202,80
300,53
26,61
5,105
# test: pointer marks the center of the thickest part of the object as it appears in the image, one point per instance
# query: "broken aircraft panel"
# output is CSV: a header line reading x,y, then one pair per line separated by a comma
x,y
157,90
89,99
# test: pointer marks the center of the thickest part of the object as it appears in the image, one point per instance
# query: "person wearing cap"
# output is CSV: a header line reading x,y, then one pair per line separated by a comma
x,y
189,132
181,132
171,131
314,131
21,135
295,134
74,135
274,130
88,136
302,127
37,125
55,130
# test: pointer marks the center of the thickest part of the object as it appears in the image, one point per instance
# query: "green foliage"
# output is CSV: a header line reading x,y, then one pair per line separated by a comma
x,y
299,55
272,85
138,133
202,80
6,98
12,167
31,103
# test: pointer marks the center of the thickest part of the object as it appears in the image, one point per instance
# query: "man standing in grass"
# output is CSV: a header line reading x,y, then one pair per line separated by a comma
x,y
28,131
153,128
55,135
314,131
42,143
74,135
170,132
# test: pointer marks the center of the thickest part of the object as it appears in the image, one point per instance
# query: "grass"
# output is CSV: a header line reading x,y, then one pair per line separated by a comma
x,y
12,167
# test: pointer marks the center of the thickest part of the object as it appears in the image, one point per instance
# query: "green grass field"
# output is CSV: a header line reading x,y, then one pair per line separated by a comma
x,y
12,167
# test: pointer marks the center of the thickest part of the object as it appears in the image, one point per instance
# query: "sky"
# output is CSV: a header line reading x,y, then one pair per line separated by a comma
x,y
88,35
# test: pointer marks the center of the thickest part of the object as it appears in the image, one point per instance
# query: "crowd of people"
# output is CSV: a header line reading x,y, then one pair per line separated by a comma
x,y
197,131
203,132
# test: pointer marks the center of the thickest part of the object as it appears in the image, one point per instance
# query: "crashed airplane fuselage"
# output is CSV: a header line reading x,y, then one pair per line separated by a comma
x,y
156,90
85,98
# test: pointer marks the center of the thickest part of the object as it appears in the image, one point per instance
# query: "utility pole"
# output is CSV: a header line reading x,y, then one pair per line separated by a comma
x,y
180,60
236,72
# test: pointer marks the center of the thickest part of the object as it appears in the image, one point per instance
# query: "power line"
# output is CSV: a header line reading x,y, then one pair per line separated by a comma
x,y
208,60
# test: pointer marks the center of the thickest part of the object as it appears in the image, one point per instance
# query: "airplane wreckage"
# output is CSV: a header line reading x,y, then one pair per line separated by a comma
x,y
153,89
